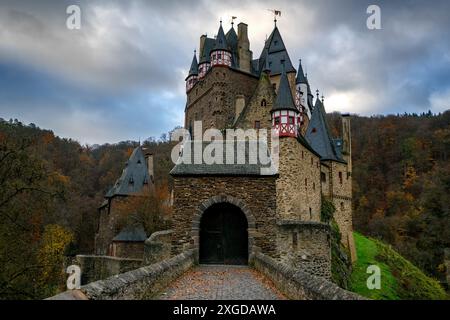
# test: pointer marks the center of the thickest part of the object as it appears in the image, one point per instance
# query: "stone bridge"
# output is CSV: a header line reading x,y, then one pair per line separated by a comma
x,y
182,278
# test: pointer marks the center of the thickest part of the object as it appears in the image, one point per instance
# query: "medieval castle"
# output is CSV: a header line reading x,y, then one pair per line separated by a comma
x,y
227,212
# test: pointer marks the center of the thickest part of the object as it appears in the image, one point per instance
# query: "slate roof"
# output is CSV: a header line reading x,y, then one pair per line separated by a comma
x,y
318,135
232,41
251,166
193,71
134,176
131,234
221,40
284,99
276,51
300,74
205,55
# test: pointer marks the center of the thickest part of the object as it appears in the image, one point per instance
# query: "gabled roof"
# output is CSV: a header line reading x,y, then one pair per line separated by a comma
x,y
205,55
221,40
193,71
318,134
232,39
275,49
300,75
284,99
131,234
134,176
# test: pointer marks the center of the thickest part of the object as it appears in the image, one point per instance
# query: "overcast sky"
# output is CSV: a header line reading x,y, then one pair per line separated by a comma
x,y
121,76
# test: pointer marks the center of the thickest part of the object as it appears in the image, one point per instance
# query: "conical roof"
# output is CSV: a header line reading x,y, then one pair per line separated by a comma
x,y
284,100
193,71
318,134
300,75
221,40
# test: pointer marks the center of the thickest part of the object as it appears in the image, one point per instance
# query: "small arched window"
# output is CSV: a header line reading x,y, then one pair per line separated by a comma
x,y
263,103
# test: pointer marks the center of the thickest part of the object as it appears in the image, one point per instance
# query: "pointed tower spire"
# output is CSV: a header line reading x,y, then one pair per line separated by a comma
x,y
300,75
221,54
194,65
285,115
192,77
284,100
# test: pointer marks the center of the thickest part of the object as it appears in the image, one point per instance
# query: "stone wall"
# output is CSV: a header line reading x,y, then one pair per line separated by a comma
x,y
299,285
140,284
128,249
298,185
158,247
95,268
255,111
255,196
340,186
305,246
212,100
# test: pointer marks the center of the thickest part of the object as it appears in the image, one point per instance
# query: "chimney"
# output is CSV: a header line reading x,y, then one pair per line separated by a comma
x,y
150,168
202,45
244,53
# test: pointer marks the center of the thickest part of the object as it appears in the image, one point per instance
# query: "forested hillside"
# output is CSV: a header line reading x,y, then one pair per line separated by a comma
x,y
50,189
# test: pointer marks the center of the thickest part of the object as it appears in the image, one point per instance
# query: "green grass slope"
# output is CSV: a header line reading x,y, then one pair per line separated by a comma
x,y
400,279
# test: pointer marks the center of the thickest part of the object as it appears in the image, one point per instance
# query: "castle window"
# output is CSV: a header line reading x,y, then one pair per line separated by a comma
x,y
310,213
277,120
340,177
323,177
263,103
342,206
291,120
312,161
257,124
314,186
294,240
306,182
274,86
303,154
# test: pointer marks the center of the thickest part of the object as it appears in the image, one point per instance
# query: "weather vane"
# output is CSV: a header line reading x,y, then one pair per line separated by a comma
x,y
232,20
275,13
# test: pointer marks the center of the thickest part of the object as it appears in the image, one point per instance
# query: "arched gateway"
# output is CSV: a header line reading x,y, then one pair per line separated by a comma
x,y
223,235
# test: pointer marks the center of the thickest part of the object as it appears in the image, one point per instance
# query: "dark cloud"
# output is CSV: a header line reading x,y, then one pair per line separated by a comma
x,y
122,75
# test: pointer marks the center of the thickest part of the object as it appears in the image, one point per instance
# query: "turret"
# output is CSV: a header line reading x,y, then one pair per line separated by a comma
x,y
285,115
192,77
301,92
220,54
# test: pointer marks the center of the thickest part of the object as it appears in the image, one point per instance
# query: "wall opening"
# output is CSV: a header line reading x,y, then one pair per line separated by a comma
x,y
223,235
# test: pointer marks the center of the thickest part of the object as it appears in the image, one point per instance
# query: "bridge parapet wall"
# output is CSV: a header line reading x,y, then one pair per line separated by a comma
x,y
140,284
299,285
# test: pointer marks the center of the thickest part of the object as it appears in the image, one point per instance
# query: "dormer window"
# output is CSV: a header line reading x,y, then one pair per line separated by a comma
x,y
139,161
131,181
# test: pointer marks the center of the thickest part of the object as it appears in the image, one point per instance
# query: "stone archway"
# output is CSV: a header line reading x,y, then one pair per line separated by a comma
x,y
218,202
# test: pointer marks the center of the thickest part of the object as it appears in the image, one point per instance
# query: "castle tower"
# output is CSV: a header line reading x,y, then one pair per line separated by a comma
x,y
220,54
192,77
347,141
301,97
285,115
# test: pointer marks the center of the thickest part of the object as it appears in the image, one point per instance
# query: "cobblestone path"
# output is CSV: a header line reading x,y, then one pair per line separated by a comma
x,y
221,283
